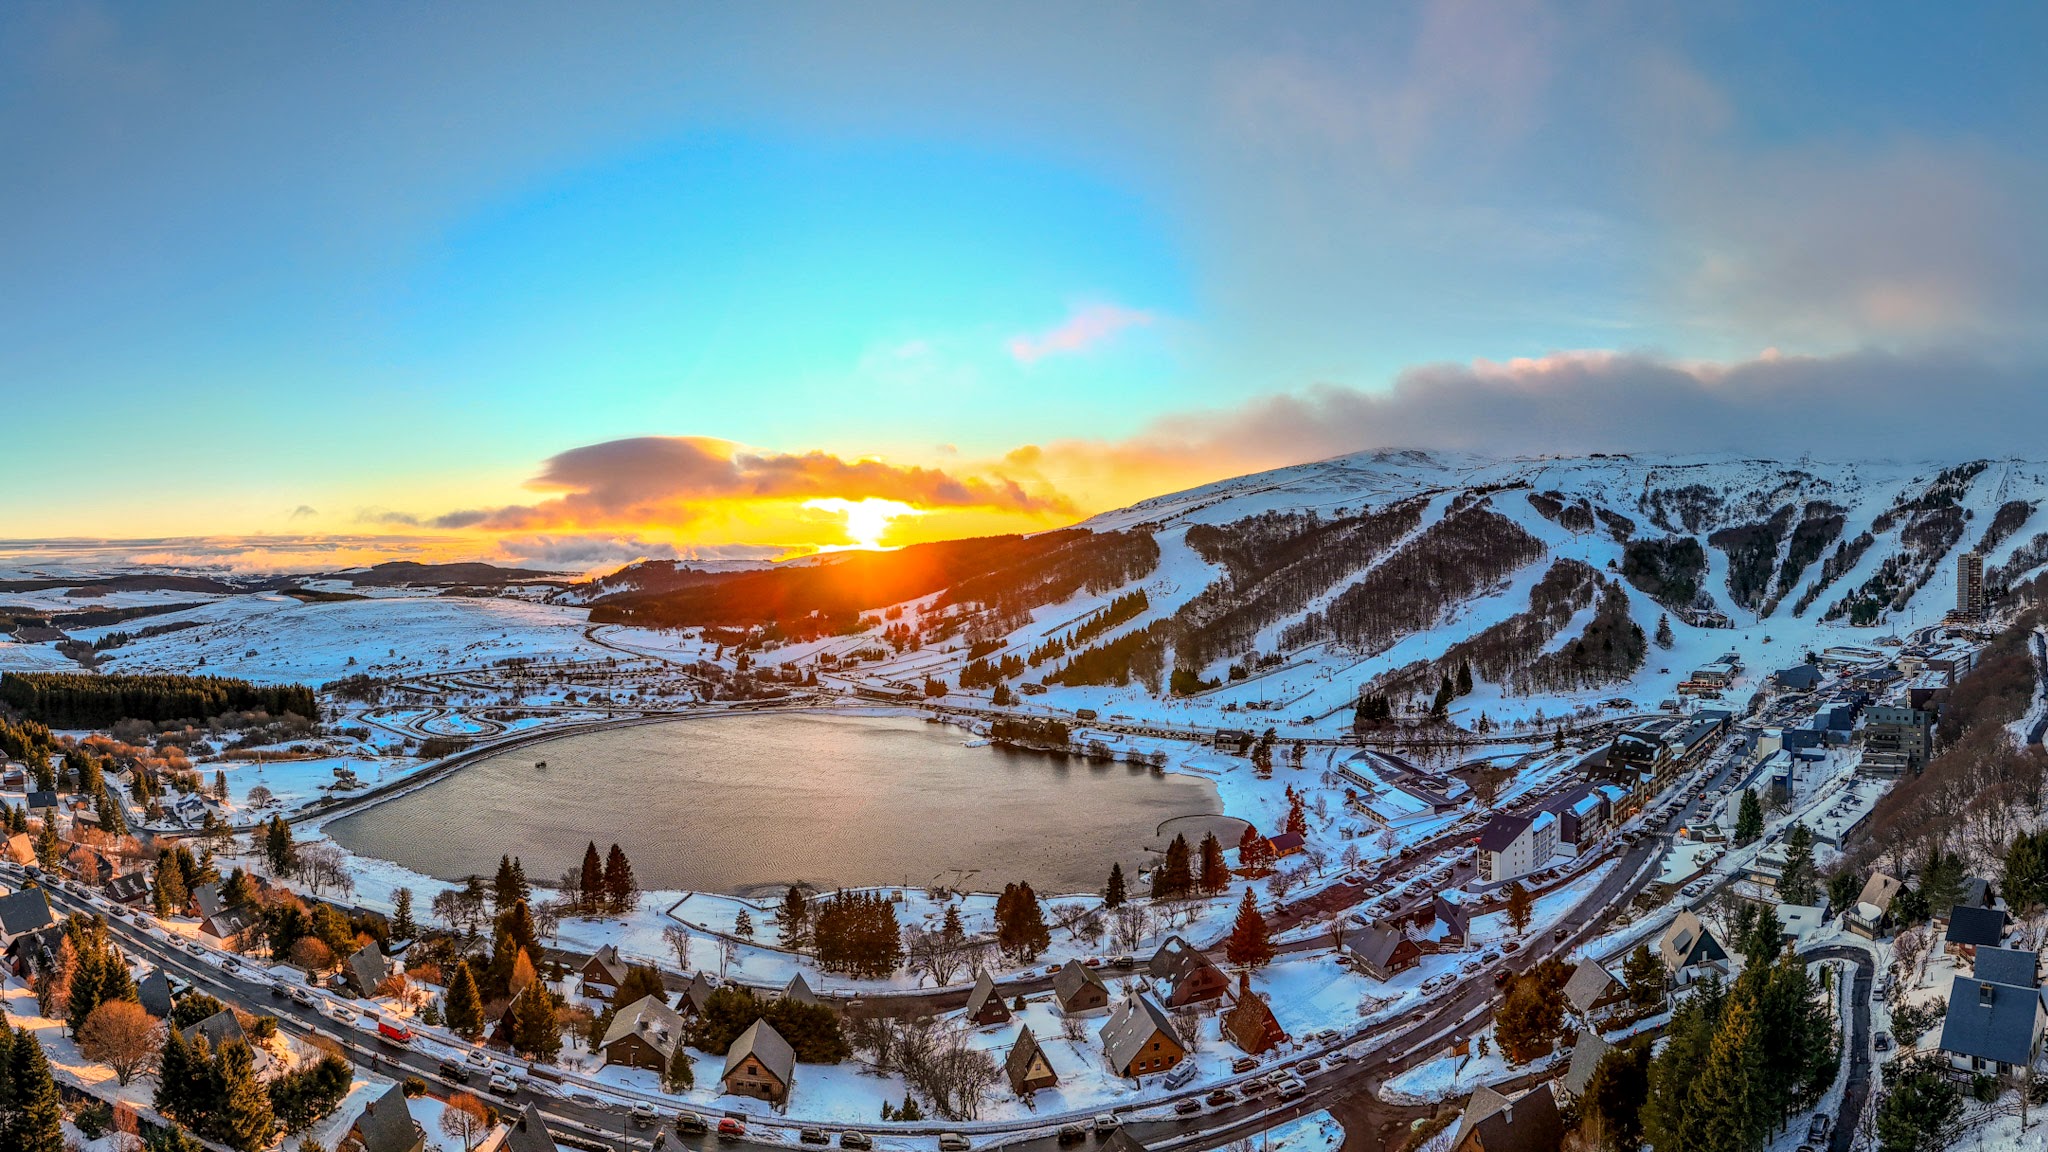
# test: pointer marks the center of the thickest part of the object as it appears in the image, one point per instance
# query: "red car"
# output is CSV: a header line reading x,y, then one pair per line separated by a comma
x,y
393,1033
731,1127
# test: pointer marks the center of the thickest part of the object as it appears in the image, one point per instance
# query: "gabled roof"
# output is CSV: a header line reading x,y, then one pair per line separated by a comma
x,y
763,1043
1991,1021
697,994
1177,960
1879,891
649,1018
1588,985
386,1125
2015,966
607,958
25,911
367,968
1452,913
127,886
1978,926
984,987
1251,1025
1285,842
1074,976
1017,1065
230,922
799,990
529,1133
1527,1123
1688,941
1131,1025
40,799
154,993
206,898
1799,677
1502,831
1121,1140
1586,1056
1374,944
218,1029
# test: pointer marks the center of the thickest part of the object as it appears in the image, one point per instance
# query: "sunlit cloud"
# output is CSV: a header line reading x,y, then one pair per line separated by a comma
x,y
1084,329
867,521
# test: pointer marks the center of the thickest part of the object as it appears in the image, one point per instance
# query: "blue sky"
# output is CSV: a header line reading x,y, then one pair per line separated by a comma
x,y
336,268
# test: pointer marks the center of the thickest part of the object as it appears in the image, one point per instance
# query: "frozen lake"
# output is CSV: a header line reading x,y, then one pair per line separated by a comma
x,y
743,804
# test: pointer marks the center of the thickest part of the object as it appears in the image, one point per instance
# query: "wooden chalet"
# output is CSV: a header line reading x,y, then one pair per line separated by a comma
x,y
691,1001
1187,976
1079,990
1138,1040
760,1064
1250,1023
644,1034
1028,1066
603,973
985,1005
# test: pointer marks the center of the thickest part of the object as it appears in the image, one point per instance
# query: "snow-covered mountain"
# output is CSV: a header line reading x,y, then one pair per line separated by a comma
x,y
1560,581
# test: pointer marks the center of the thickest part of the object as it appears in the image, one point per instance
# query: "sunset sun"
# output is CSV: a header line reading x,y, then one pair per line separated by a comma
x,y
866,520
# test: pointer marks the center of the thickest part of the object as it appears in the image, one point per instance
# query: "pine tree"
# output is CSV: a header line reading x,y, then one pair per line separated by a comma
x,y
49,849
535,1029
1020,923
1749,820
1176,876
509,887
111,817
1464,677
402,926
793,919
173,1076
1664,637
6,1071
680,1076
278,847
1297,814
1795,884
1521,905
465,1004
590,893
1644,975
743,925
1725,1112
170,895
1215,873
245,1122
1113,895
1440,706
38,1121
621,891
1249,945
1252,850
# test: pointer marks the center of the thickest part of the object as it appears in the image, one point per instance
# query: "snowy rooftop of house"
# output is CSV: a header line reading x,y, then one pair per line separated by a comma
x,y
2015,966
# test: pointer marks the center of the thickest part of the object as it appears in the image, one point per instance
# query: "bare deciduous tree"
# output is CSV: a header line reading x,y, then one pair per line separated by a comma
x,y
465,1118
122,1036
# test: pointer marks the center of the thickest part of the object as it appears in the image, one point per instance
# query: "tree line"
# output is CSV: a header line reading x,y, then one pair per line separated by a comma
x,y
81,700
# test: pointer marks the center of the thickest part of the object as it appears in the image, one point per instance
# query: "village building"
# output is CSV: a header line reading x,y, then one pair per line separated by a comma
x,y
20,849
1285,844
1079,990
760,1064
153,992
529,1133
229,928
1138,1040
129,888
23,912
1027,1065
1592,990
1382,951
1511,846
603,973
799,990
1689,950
1492,1122
365,969
1188,976
2018,967
1871,915
220,1029
691,1000
1454,916
1250,1023
985,1005
1991,1028
386,1125
644,1034
1587,1052
1972,928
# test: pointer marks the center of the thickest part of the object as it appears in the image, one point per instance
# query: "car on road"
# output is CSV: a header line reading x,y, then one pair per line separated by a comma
x,y
730,1128
450,1070
1105,1123
1069,1134
644,1116
1291,1088
1882,1042
813,1136
1244,1063
1187,1106
858,1141
504,1087
953,1142
300,996
1124,962
1560,932
1817,1128
1220,1098
688,1123
279,988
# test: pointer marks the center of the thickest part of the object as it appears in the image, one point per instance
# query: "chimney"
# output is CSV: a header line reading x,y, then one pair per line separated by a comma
x,y
1984,994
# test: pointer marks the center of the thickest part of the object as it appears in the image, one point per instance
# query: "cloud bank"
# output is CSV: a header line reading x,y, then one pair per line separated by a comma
x,y
666,480
1085,329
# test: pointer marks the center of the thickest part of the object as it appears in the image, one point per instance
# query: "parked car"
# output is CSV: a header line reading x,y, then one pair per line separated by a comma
x,y
1244,1063
278,988
730,1128
1511,947
1308,1067
1105,1123
1072,1134
1181,1074
1559,933
1187,1106
1882,1041
688,1123
1291,1088
1323,1036
953,1142
301,996
857,1141
504,1087
478,1057
1220,1098
812,1136
1817,1128
450,1070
